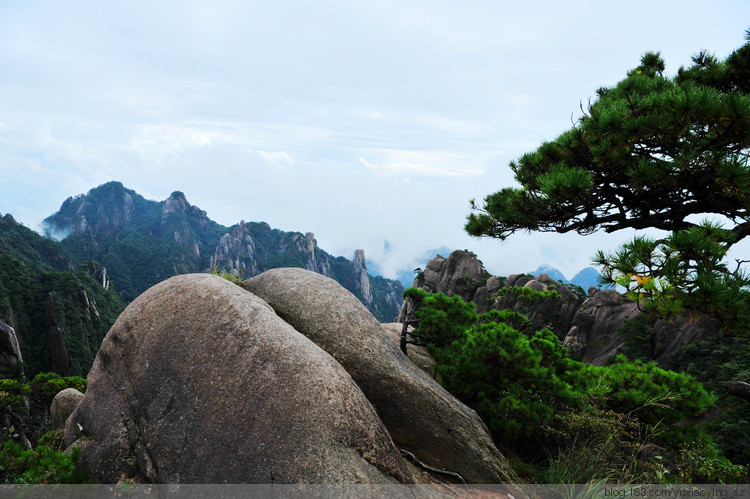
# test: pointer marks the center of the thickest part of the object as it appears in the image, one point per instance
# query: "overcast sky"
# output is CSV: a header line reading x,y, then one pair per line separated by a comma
x,y
370,123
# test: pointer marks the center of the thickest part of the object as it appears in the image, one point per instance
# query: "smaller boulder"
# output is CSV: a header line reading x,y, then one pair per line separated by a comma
x,y
493,284
63,405
535,285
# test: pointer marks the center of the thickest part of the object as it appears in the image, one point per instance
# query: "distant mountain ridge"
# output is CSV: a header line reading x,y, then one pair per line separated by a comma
x,y
142,242
585,278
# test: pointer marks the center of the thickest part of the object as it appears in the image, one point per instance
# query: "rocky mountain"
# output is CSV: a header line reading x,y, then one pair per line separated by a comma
x,y
463,274
586,278
58,311
595,326
143,242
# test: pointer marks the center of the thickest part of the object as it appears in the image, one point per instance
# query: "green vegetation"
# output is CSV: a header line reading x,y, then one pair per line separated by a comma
x,y
26,405
651,152
564,420
31,399
47,300
43,464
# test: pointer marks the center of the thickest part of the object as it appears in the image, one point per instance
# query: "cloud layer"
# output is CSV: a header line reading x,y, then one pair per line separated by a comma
x,y
370,124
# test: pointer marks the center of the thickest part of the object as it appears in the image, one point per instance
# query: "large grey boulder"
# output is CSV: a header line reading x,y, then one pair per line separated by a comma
x,y
420,415
199,381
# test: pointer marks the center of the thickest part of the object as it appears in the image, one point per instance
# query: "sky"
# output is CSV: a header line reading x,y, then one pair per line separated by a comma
x,y
371,124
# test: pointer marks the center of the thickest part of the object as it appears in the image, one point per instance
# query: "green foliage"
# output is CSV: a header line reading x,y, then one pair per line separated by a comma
x,y
651,151
46,463
639,338
41,291
228,276
510,379
644,390
38,393
700,463
526,297
40,465
45,386
717,358
600,446
684,271
442,319
591,421
13,394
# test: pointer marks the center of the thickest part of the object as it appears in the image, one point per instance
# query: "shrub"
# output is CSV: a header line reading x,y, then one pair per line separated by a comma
x,y
40,465
510,379
590,421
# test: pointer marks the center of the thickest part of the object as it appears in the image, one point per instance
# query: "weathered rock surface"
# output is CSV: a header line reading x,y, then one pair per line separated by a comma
x,y
56,338
599,330
199,381
555,315
236,252
12,367
10,351
420,415
595,334
307,245
63,405
462,274
671,337
418,354
361,279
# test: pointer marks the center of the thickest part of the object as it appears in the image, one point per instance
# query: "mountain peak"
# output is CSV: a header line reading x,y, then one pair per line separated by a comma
x,y
112,184
178,203
102,211
550,271
8,219
175,203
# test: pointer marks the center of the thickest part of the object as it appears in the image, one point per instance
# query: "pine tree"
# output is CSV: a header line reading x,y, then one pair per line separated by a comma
x,y
651,152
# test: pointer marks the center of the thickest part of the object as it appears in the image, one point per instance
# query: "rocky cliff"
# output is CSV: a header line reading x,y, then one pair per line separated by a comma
x,y
463,274
594,328
143,242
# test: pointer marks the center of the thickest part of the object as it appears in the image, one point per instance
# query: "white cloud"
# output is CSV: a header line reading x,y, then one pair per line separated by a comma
x,y
406,164
278,159
359,121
